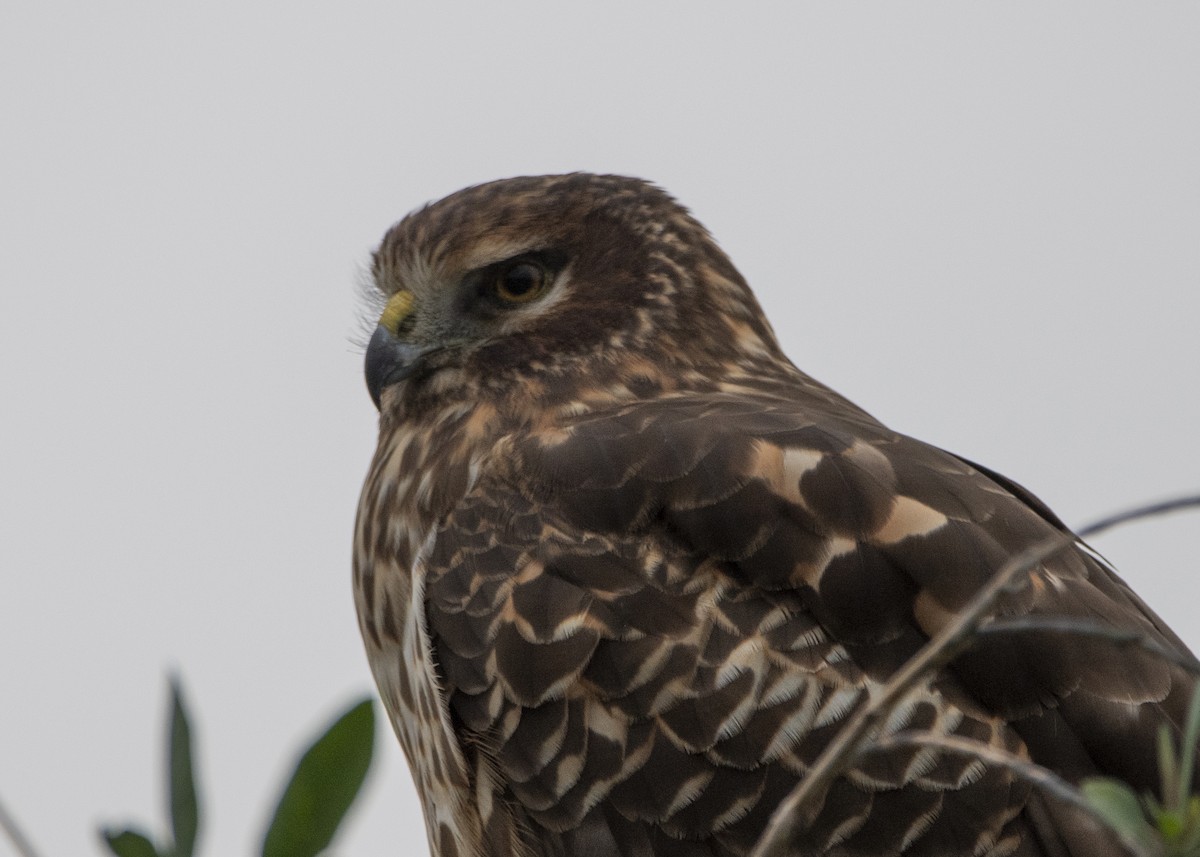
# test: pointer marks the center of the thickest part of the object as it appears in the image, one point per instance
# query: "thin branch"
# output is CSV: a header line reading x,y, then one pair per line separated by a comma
x,y
1031,772
1176,504
8,824
793,811
1119,637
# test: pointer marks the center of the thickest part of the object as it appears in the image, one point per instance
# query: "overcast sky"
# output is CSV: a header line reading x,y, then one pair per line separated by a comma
x,y
981,222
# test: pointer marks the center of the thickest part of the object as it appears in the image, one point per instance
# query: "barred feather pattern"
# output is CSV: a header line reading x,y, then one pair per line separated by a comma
x,y
622,571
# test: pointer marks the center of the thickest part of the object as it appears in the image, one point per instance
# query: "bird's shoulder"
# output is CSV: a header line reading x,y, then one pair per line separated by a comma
x,y
628,681
874,537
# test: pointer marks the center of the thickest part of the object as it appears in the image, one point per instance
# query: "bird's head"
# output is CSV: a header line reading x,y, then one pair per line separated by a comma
x,y
550,283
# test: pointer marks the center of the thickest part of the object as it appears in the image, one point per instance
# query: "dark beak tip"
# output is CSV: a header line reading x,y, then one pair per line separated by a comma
x,y
379,359
389,360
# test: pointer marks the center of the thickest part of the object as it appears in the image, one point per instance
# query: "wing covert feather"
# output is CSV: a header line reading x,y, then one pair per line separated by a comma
x,y
658,635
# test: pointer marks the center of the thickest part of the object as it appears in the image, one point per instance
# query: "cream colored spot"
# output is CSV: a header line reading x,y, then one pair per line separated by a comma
x,y
604,723
783,468
797,462
835,546
688,792
484,789
922,823
785,686
566,773
836,706
930,614
742,386
909,518
747,656
799,722
749,340
572,409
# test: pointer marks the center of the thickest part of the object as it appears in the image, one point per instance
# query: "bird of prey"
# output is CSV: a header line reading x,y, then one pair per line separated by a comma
x,y
623,571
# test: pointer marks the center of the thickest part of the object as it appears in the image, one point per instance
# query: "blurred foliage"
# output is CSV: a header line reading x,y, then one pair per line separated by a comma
x,y
327,778
1168,825
324,785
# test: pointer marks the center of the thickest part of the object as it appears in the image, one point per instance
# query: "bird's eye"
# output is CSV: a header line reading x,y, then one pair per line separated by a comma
x,y
520,282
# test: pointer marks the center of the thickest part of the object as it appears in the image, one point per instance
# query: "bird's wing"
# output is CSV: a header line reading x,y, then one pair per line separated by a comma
x,y
649,625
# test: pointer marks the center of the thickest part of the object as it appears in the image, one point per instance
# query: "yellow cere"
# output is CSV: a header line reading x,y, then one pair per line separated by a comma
x,y
398,307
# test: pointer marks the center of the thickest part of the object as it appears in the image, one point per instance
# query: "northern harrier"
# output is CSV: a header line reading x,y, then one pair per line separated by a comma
x,y
622,570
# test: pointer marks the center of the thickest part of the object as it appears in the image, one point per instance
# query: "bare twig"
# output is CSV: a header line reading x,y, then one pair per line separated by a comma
x,y
1119,637
8,824
1031,772
793,811
1175,504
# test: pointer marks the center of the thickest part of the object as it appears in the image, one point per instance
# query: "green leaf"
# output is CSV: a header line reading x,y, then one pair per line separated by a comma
x,y
1118,805
1189,842
129,843
185,809
1191,734
1170,825
1167,772
327,779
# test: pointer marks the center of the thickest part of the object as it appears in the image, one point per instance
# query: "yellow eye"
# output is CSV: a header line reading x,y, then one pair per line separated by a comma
x,y
520,282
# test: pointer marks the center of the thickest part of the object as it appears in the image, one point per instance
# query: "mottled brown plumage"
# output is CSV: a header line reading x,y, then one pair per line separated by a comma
x,y
622,569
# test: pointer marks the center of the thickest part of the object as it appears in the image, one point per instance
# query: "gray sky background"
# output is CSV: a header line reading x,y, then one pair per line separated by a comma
x,y
979,221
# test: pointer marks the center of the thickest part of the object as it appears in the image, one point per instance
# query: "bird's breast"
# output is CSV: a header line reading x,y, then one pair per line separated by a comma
x,y
414,479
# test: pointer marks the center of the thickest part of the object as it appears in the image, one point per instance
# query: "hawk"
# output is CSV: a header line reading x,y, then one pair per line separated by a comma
x,y
622,570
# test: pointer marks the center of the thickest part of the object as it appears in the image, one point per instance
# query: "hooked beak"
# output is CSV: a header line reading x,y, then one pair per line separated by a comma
x,y
389,358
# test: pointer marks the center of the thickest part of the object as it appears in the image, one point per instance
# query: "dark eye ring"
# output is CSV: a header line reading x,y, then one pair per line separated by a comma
x,y
520,282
